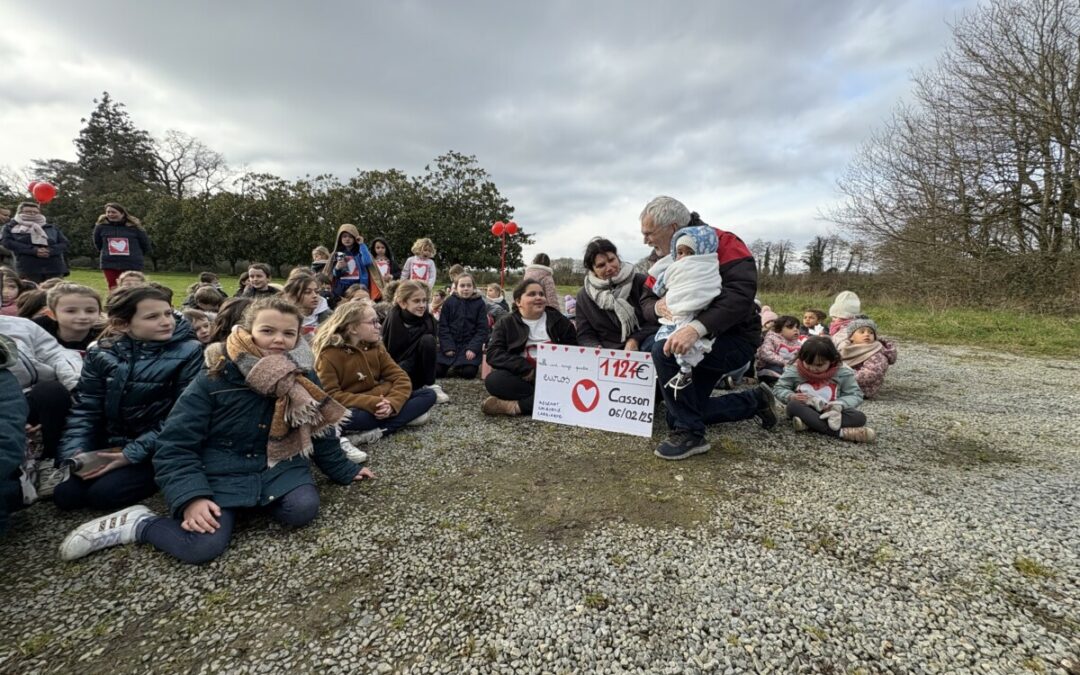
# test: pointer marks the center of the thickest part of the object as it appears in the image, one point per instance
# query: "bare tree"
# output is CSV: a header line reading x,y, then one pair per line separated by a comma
x,y
783,250
187,165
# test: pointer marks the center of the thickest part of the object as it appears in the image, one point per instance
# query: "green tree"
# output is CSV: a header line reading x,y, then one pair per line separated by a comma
x,y
112,152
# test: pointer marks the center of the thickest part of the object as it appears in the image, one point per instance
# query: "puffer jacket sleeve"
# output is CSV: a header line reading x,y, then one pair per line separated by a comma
x,y
14,244
178,467
871,373
99,238
768,353
785,386
88,413
560,330
66,362
139,449
889,348
848,392
61,245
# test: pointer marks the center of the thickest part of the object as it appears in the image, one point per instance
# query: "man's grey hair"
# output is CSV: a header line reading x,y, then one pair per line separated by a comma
x,y
665,210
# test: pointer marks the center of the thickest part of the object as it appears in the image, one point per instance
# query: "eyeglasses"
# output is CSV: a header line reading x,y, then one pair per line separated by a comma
x,y
373,322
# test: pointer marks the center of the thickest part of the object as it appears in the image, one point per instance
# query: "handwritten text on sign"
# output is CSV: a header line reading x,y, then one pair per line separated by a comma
x,y
595,388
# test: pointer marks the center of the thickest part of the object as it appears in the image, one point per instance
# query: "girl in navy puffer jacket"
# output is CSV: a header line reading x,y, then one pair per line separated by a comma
x,y
129,383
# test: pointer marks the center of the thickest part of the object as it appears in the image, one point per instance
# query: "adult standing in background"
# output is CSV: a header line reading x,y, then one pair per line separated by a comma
x,y
121,241
731,320
38,246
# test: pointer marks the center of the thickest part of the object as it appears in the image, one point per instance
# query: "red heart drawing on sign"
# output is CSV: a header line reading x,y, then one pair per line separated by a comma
x,y
585,387
581,351
597,352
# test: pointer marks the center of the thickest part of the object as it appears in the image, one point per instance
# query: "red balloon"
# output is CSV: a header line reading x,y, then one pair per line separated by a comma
x,y
511,227
498,228
33,184
44,192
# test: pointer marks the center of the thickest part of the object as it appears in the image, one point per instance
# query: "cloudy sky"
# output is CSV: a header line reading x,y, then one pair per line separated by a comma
x,y
581,111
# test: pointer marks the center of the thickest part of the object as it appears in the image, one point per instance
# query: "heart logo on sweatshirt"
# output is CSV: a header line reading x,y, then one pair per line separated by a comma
x,y
823,390
118,246
585,395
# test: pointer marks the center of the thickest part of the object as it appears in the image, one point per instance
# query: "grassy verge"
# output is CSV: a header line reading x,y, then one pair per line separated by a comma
x,y
177,281
1002,330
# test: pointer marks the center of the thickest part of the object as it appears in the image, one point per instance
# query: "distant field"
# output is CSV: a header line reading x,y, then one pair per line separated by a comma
x,y
1005,330
177,281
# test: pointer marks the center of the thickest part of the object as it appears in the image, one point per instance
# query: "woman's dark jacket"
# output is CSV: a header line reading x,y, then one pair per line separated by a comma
x,y
27,261
214,446
510,335
126,391
463,326
600,328
122,247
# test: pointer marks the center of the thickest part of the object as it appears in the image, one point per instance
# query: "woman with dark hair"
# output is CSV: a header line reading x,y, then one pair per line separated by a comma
x,y
38,246
615,309
129,383
121,241
512,349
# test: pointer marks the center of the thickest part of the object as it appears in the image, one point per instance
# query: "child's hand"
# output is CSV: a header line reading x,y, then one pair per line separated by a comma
x,y
362,474
201,516
383,409
450,353
801,398
470,354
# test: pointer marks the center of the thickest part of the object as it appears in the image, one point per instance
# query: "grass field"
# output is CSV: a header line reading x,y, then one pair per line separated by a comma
x,y
1005,330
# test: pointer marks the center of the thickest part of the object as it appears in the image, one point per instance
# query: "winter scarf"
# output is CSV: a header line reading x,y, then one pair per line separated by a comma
x,y
854,354
814,378
34,225
302,409
611,296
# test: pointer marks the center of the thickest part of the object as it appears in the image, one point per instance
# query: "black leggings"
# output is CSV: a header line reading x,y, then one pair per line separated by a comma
x,y
50,404
114,490
848,418
420,365
464,372
510,387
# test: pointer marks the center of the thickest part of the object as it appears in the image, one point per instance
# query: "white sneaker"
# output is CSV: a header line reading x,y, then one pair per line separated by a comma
x,y
363,437
48,477
440,395
420,420
111,530
354,453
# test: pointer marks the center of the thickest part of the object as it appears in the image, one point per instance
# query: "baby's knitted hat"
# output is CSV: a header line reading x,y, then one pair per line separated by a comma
x,y
861,322
767,315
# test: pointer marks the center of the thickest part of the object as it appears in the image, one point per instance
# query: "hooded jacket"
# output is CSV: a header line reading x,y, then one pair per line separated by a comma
x,y
546,277
463,326
361,267
121,246
126,391
27,261
213,445
40,356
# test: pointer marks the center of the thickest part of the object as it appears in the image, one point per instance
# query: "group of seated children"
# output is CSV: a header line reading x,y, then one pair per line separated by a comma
x,y
823,377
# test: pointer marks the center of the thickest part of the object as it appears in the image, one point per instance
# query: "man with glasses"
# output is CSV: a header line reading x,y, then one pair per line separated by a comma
x,y
733,322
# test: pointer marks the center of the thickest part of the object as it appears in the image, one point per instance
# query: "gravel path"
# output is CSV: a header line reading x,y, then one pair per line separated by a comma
x,y
953,545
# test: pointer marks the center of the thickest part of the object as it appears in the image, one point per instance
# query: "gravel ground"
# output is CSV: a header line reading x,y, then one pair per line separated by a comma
x,y
953,545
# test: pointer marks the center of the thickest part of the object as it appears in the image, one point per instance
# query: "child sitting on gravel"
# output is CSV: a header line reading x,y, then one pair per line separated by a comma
x,y
845,308
241,437
778,349
867,354
821,393
813,322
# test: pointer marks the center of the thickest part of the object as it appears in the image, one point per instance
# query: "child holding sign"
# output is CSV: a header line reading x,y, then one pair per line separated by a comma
x,y
821,393
512,349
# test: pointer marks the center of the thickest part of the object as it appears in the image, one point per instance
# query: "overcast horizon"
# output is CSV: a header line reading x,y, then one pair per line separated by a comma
x,y
581,114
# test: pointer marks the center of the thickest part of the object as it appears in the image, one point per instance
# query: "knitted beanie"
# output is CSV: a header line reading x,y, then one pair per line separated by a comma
x,y
846,306
861,322
768,315
687,241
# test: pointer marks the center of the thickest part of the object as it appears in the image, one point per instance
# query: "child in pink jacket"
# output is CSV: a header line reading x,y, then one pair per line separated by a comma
x,y
867,354
778,349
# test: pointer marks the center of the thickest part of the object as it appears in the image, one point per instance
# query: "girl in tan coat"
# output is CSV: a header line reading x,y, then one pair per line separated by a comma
x,y
357,371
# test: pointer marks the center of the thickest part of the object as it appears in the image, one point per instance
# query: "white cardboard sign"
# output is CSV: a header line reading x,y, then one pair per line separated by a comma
x,y
595,388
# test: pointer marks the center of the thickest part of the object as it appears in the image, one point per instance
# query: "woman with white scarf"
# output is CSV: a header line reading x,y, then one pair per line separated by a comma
x,y
38,246
615,309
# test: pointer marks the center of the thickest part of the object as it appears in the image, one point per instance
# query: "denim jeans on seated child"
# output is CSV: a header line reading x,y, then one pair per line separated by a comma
x,y
420,401
114,490
848,418
295,508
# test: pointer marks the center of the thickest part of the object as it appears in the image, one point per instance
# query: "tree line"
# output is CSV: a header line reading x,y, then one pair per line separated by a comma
x,y
202,214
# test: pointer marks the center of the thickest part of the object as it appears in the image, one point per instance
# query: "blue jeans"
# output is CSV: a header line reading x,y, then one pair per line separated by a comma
x,y
111,491
695,407
296,508
420,401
